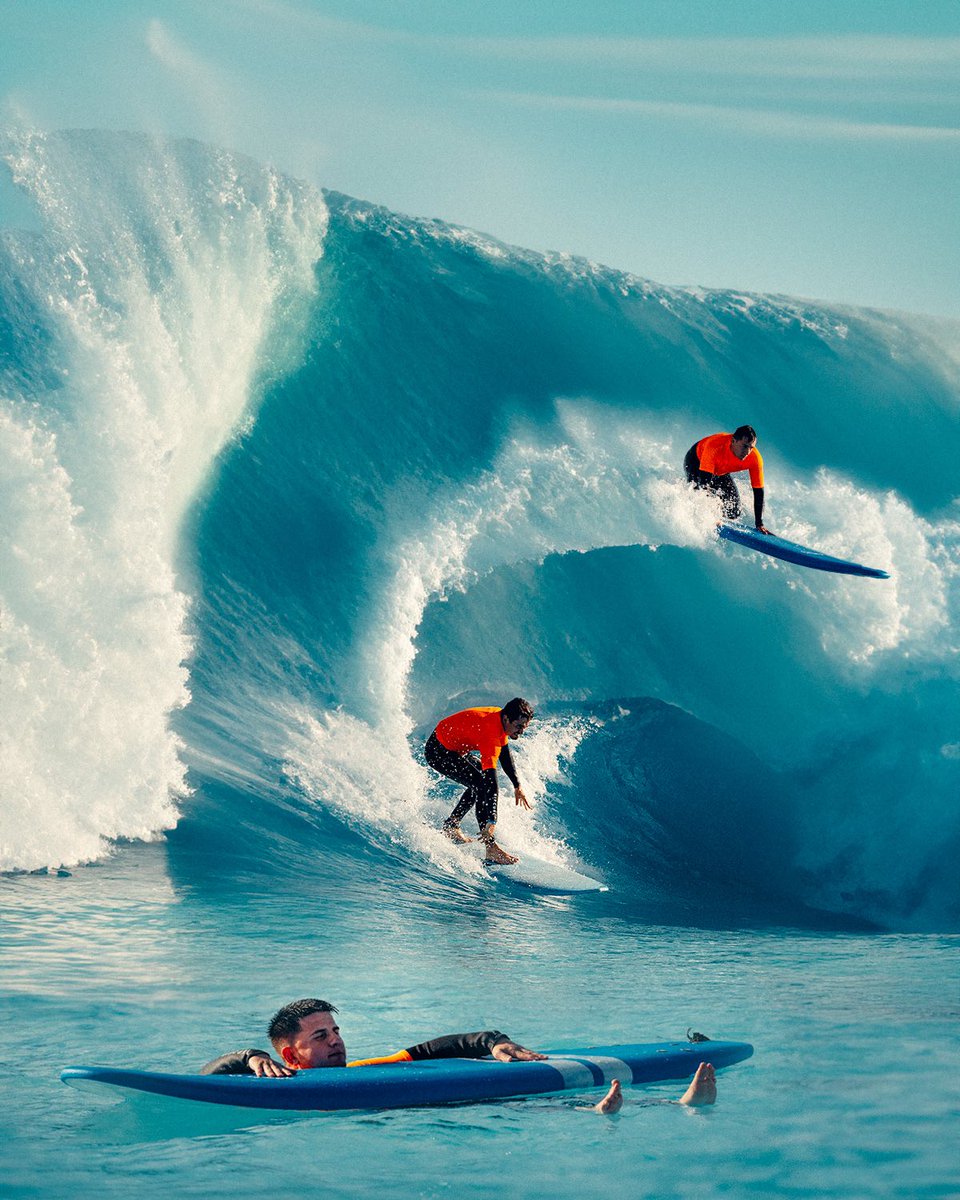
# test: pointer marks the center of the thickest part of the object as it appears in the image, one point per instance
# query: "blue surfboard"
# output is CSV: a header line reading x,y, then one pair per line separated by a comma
x,y
438,1081
792,552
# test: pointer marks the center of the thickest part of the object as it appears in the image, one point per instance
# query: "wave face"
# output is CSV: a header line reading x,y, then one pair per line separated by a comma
x,y
288,476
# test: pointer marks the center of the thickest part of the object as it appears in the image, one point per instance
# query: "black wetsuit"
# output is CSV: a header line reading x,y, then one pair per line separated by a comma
x,y
451,1045
482,789
722,485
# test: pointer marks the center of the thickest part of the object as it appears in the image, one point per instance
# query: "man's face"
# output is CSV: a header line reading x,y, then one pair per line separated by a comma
x,y
513,729
317,1044
741,447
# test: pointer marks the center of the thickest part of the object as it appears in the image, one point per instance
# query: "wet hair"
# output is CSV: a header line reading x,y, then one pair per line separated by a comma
x,y
286,1022
518,709
745,431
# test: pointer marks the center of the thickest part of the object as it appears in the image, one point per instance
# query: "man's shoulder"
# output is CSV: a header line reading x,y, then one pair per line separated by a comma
x,y
237,1062
713,444
481,716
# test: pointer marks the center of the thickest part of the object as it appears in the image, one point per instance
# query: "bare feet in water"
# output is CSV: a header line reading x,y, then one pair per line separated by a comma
x,y
496,854
456,834
703,1087
702,1091
612,1101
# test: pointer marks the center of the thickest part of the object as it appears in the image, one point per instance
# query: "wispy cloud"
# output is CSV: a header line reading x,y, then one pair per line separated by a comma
x,y
744,120
774,78
172,53
840,57
208,86
285,17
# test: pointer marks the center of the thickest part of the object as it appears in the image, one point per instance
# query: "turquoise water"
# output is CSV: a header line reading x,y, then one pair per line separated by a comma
x,y
853,1089
285,478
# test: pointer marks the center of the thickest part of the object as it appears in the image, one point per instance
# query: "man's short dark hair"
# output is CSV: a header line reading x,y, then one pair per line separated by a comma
x,y
286,1022
518,709
745,431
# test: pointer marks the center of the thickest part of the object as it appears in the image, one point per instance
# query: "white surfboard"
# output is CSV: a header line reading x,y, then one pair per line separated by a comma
x,y
542,876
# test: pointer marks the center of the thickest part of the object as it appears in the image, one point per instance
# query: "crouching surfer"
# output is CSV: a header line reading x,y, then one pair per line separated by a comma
x,y
710,462
452,748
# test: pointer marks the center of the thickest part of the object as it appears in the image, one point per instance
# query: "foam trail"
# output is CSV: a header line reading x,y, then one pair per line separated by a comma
x,y
164,276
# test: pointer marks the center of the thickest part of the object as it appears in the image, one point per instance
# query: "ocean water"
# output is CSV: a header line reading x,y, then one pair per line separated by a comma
x,y
286,477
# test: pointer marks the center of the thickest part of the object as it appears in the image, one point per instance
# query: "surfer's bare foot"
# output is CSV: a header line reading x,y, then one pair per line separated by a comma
x,y
496,854
612,1101
703,1087
456,834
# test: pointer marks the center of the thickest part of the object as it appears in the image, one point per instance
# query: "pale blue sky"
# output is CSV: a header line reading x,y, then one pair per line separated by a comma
x,y
810,148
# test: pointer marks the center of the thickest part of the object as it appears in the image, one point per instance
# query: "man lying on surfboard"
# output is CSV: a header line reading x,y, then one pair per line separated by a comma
x,y
307,1037
451,748
710,462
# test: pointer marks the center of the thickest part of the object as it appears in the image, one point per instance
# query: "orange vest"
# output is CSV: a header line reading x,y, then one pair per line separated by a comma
x,y
474,729
400,1056
716,457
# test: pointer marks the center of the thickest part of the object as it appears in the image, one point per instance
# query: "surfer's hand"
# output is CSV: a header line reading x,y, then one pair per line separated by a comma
x,y
261,1065
522,801
511,1052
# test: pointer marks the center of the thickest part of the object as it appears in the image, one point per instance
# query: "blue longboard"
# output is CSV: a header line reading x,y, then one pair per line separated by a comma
x,y
791,552
440,1081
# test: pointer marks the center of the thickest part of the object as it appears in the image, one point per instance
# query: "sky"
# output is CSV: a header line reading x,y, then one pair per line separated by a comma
x,y
797,147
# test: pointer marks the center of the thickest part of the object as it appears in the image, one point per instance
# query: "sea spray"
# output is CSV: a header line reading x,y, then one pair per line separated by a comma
x,y
162,279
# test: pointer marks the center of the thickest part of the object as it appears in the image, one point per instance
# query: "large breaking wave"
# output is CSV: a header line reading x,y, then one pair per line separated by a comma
x,y
287,476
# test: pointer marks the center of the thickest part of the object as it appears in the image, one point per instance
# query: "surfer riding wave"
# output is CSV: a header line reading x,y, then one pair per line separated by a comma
x,y
452,748
710,462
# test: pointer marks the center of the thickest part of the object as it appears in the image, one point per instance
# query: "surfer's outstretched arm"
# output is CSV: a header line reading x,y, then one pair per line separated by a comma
x,y
758,510
474,1045
506,761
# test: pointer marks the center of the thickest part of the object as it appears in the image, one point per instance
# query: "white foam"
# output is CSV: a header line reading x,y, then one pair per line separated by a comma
x,y
168,270
366,775
596,479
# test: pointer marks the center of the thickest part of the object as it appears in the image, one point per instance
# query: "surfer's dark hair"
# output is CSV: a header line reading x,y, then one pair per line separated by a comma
x,y
518,709
286,1022
745,431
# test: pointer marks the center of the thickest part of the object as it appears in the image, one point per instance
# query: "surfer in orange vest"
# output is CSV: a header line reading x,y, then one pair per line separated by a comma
x,y
451,750
710,462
